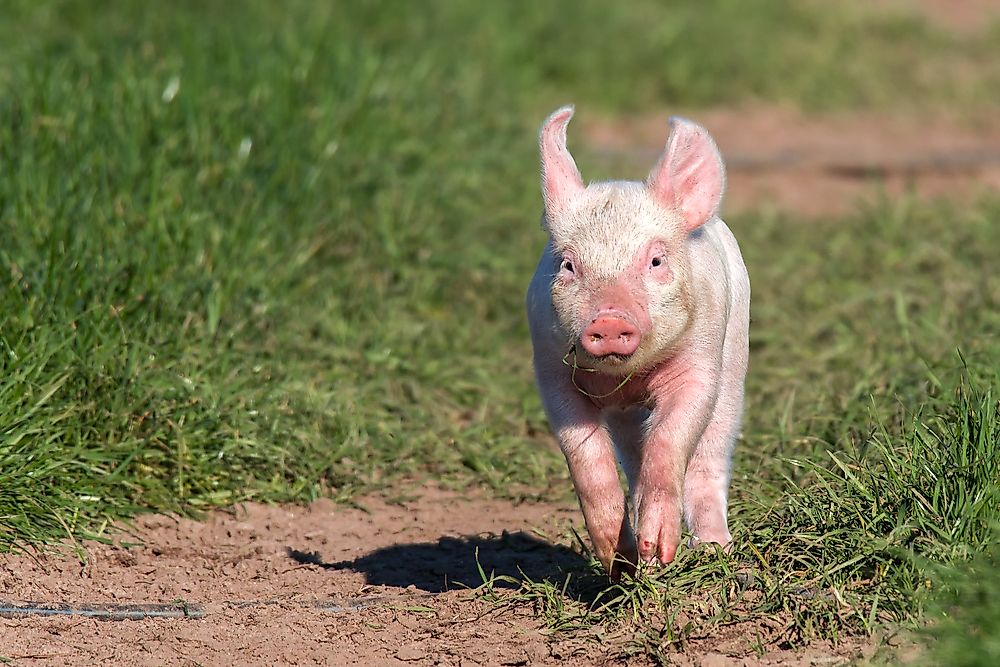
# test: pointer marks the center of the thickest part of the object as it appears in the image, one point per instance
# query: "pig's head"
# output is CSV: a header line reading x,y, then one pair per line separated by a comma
x,y
621,285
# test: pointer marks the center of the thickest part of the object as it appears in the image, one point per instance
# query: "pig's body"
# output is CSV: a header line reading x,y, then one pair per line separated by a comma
x,y
639,314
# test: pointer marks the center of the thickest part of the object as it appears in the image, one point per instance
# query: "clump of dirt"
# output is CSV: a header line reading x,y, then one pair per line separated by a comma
x,y
781,160
380,584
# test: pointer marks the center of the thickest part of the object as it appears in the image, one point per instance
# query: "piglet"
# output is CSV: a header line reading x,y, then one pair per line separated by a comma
x,y
639,313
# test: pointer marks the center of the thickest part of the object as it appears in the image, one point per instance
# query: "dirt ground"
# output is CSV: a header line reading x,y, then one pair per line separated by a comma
x,y
781,160
325,585
960,16
322,584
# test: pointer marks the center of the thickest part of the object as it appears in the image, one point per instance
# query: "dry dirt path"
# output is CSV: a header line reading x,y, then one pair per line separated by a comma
x,y
323,585
959,16
781,160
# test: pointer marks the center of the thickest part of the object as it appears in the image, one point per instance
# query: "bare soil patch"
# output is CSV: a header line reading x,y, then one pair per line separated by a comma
x,y
961,16
781,160
329,584
389,578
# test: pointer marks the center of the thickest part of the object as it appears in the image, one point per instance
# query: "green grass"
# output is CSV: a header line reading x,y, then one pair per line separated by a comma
x,y
965,620
278,250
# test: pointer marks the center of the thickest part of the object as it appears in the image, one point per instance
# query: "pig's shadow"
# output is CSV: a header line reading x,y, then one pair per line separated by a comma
x,y
453,562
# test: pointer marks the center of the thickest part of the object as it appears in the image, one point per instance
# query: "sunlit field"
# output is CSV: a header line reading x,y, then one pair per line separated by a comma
x,y
278,251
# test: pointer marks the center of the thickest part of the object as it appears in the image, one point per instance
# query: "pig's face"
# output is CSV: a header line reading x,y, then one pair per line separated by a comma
x,y
621,289
620,278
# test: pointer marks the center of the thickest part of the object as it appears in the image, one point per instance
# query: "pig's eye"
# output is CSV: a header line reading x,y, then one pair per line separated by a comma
x,y
567,266
657,261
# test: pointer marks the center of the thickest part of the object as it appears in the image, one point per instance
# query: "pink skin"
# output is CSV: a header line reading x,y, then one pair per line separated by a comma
x,y
658,344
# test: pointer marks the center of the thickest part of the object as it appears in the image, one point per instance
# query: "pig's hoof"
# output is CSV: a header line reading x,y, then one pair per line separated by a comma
x,y
647,551
653,554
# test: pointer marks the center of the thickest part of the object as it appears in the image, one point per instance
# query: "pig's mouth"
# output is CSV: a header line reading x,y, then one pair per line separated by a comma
x,y
570,359
577,354
588,358
612,358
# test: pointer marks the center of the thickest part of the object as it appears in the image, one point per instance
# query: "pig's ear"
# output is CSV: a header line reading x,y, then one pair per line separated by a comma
x,y
561,179
690,176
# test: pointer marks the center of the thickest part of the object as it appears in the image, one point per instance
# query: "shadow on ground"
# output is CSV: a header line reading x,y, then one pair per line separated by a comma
x,y
455,562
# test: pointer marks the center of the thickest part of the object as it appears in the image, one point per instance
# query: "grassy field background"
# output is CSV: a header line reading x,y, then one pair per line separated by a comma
x,y
278,250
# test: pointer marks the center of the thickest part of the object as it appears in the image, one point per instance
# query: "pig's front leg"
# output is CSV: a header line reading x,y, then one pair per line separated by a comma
x,y
678,421
586,444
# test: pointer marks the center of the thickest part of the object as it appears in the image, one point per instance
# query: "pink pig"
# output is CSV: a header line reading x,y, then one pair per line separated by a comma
x,y
639,313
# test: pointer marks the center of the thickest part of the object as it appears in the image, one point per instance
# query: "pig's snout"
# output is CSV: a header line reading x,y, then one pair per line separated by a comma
x,y
608,335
